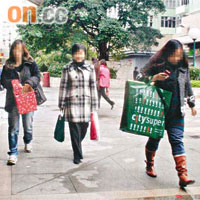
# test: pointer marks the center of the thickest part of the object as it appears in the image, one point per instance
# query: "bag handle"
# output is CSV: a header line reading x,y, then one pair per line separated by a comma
x,y
150,81
159,93
61,115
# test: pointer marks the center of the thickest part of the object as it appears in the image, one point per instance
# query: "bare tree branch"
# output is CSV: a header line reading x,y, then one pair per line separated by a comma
x,y
85,29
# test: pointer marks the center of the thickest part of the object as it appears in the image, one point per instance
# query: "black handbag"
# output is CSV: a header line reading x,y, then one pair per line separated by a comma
x,y
39,93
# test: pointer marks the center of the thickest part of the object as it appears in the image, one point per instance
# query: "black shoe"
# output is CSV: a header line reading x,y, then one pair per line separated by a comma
x,y
76,161
112,106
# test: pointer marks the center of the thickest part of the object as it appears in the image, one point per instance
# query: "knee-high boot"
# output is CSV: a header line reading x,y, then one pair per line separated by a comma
x,y
182,171
150,170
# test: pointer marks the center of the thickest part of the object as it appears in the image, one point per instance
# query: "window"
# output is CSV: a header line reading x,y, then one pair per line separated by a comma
x,y
162,21
151,21
182,2
173,22
174,4
185,2
170,3
178,21
168,22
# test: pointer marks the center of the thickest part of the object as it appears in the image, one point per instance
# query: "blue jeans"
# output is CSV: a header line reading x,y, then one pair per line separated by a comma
x,y
175,137
13,130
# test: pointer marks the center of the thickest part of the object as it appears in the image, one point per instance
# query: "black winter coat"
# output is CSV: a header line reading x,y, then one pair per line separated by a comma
x,y
184,84
28,73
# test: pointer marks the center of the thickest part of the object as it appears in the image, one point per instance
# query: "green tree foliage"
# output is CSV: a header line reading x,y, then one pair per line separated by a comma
x,y
95,26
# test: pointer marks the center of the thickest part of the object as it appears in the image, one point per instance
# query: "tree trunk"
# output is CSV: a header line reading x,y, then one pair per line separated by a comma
x,y
103,50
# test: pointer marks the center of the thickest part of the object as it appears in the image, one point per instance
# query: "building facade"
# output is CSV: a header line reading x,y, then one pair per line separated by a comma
x,y
189,13
8,30
166,21
178,13
7,35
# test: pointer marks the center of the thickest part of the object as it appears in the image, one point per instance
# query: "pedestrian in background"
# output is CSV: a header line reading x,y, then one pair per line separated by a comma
x,y
104,83
78,97
135,73
20,65
169,69
96,65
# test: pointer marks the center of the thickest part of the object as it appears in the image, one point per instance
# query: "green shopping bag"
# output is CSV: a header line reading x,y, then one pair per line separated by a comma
x,y
144,109
59,133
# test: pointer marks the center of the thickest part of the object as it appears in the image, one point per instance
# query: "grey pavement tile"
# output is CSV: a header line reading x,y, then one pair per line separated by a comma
x,y
136,168
5,171
42,165
5,179
46,197
41,184
105,175
5,197
193,164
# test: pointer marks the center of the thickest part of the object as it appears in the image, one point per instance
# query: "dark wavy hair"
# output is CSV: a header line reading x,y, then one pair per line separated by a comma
x,y
161,57
26,55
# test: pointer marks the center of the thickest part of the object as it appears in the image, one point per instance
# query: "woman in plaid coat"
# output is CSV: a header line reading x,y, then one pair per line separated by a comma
x,y
78,97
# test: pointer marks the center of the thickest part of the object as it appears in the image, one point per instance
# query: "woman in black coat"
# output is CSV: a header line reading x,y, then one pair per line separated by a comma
x,y
19,65
169,70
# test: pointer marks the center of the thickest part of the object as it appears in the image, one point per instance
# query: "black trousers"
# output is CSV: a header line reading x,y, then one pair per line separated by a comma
x,y
78,132
102,93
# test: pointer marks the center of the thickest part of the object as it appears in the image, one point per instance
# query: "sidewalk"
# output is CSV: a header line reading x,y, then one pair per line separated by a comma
x,y
5,172
112,169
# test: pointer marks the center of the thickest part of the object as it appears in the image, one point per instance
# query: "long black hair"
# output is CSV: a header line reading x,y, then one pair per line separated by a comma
x,y
161,57
25,55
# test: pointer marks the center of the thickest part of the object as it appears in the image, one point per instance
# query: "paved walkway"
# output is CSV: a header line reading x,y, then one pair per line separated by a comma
x,y
112,169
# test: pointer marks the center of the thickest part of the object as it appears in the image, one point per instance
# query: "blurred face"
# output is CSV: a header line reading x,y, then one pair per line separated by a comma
x,y
79,56
176,56
18,52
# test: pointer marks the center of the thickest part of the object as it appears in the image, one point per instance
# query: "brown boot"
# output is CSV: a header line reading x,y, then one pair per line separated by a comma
x,y
150,163
182,171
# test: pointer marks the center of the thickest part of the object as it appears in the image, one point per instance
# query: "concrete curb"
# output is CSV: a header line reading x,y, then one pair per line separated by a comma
x,y
192,193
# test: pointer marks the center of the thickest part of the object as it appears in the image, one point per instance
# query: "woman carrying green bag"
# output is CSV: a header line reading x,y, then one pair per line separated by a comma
x,y
169,69
78,97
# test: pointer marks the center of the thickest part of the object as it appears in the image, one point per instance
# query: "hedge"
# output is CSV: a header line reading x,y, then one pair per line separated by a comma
x,y
56,71
113,73
195,83
194,73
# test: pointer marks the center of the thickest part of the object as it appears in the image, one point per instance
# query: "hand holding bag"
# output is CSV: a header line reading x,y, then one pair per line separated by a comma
x,y
26,102
59,133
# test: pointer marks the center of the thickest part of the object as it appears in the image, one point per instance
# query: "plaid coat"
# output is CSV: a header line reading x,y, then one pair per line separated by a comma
x,y
78,92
